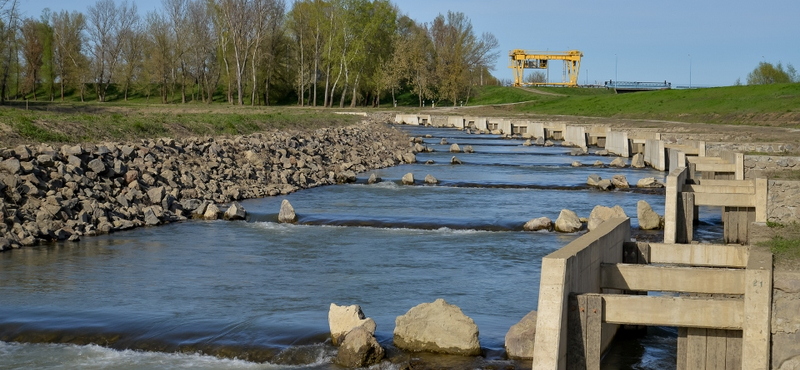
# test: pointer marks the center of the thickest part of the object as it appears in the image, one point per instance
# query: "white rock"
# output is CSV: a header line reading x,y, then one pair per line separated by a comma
x,y
520,338
568,222
343,319
408,179
286,214
541,223
602,214
437,327
648,219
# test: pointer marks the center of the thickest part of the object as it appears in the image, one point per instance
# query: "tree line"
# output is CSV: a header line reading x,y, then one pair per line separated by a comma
x,y
256,52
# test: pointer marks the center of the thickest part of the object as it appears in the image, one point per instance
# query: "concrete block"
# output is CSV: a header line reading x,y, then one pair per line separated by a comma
x,y
672,279
617,143
757,311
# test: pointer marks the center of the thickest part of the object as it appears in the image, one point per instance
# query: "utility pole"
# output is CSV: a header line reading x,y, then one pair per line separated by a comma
x,y
615,72
690,71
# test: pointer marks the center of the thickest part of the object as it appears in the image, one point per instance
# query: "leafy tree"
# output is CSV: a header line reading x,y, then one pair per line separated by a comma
x,y
68,40
767,73
32,52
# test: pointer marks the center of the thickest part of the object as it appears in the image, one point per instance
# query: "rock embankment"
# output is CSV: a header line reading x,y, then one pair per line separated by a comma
x,y
49,193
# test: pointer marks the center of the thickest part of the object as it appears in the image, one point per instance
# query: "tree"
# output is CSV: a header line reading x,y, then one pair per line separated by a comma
x,y
32,52
132,40
159,52
767,73
536,77
108,23
458,52
68,40
9,24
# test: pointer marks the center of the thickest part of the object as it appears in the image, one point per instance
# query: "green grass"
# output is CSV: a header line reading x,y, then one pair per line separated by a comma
x,y
486,95
777,104
90,123
785,245
784,175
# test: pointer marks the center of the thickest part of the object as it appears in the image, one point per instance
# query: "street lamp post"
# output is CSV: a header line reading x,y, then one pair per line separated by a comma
x,y
690,71
616,77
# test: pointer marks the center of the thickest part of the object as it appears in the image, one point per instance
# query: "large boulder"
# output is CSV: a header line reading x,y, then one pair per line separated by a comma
x,y
437,327
593,180
409,158
648,219
212,212
343,319
620,182
637,161
568,222
359,349
235,212
541,223
455,160
455,148
618,162
649,182
468,149
578,151
520,338
605,185
429,179
598,163
286,214
408,179
602,214
373,179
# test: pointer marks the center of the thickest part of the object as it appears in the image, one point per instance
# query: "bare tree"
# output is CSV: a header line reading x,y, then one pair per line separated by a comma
x,y
32,50
238,18
107,23
9,23
69,39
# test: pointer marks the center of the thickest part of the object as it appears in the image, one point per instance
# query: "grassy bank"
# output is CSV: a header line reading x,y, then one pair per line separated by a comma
x,y
93,122
763,105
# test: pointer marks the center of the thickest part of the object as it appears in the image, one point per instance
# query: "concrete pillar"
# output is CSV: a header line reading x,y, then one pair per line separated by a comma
x,y
761,199
585,332
675,182
686,218
757,311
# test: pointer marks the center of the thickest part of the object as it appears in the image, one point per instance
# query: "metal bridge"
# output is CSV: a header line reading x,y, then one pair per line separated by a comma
x,y
633,86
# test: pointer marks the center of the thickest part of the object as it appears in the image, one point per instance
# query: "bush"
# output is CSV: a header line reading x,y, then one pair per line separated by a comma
x,y
767,73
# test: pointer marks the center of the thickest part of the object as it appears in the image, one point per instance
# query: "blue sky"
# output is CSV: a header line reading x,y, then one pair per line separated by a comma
x,y
650,40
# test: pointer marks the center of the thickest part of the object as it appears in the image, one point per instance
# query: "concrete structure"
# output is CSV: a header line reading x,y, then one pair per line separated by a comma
x,y
573,269
554,130
580,304
617,143
536,129
499,124
655,154
475,123
576,135
596,135
455,121
413,119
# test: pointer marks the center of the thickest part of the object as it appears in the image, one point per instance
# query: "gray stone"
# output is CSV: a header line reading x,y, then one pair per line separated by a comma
x,y
468,149
212,212
605,185
548,143
286,214
359,349
620,182
343,319
235,212
150,218
408,179
568,222
409,158
786,281
455,160
429,179
602,214
443,142
11,165
527,143
786,351
577,152
648,219
539,141
23,152
5,244
598,163
520,338
455,148
156,194
601,152
649,182
373,179
191,204
593,180
74,161
96,165
536,224
618,162
346,177
437,327
576,164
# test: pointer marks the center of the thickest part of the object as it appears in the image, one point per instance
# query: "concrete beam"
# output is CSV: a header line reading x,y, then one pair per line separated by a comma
x,y
690,312
710,255
716,167
757,311
745,188
708,182
724,200
761,199
672,279
707,160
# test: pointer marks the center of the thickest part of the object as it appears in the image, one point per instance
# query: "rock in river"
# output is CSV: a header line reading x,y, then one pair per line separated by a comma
x,y
520,338
408,179
568,222
541,223
287,214
343,319
359,349
437,327
648,219
602,214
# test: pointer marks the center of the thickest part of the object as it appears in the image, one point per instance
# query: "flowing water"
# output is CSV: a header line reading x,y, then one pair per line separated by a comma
x,y
255,294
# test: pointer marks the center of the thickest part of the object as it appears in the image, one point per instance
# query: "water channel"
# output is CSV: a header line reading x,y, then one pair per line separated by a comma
x,y
255,294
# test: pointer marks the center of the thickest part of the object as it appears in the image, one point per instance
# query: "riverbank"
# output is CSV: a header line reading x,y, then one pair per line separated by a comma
x,y
63,193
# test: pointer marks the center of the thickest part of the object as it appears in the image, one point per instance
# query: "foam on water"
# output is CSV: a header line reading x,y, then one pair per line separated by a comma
x,y
67,356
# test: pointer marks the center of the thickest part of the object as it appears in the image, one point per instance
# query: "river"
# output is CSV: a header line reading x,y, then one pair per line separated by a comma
x,y
255,294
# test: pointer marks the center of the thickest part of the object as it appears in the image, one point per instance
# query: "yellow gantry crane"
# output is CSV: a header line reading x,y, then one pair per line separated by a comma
x,y
520,59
